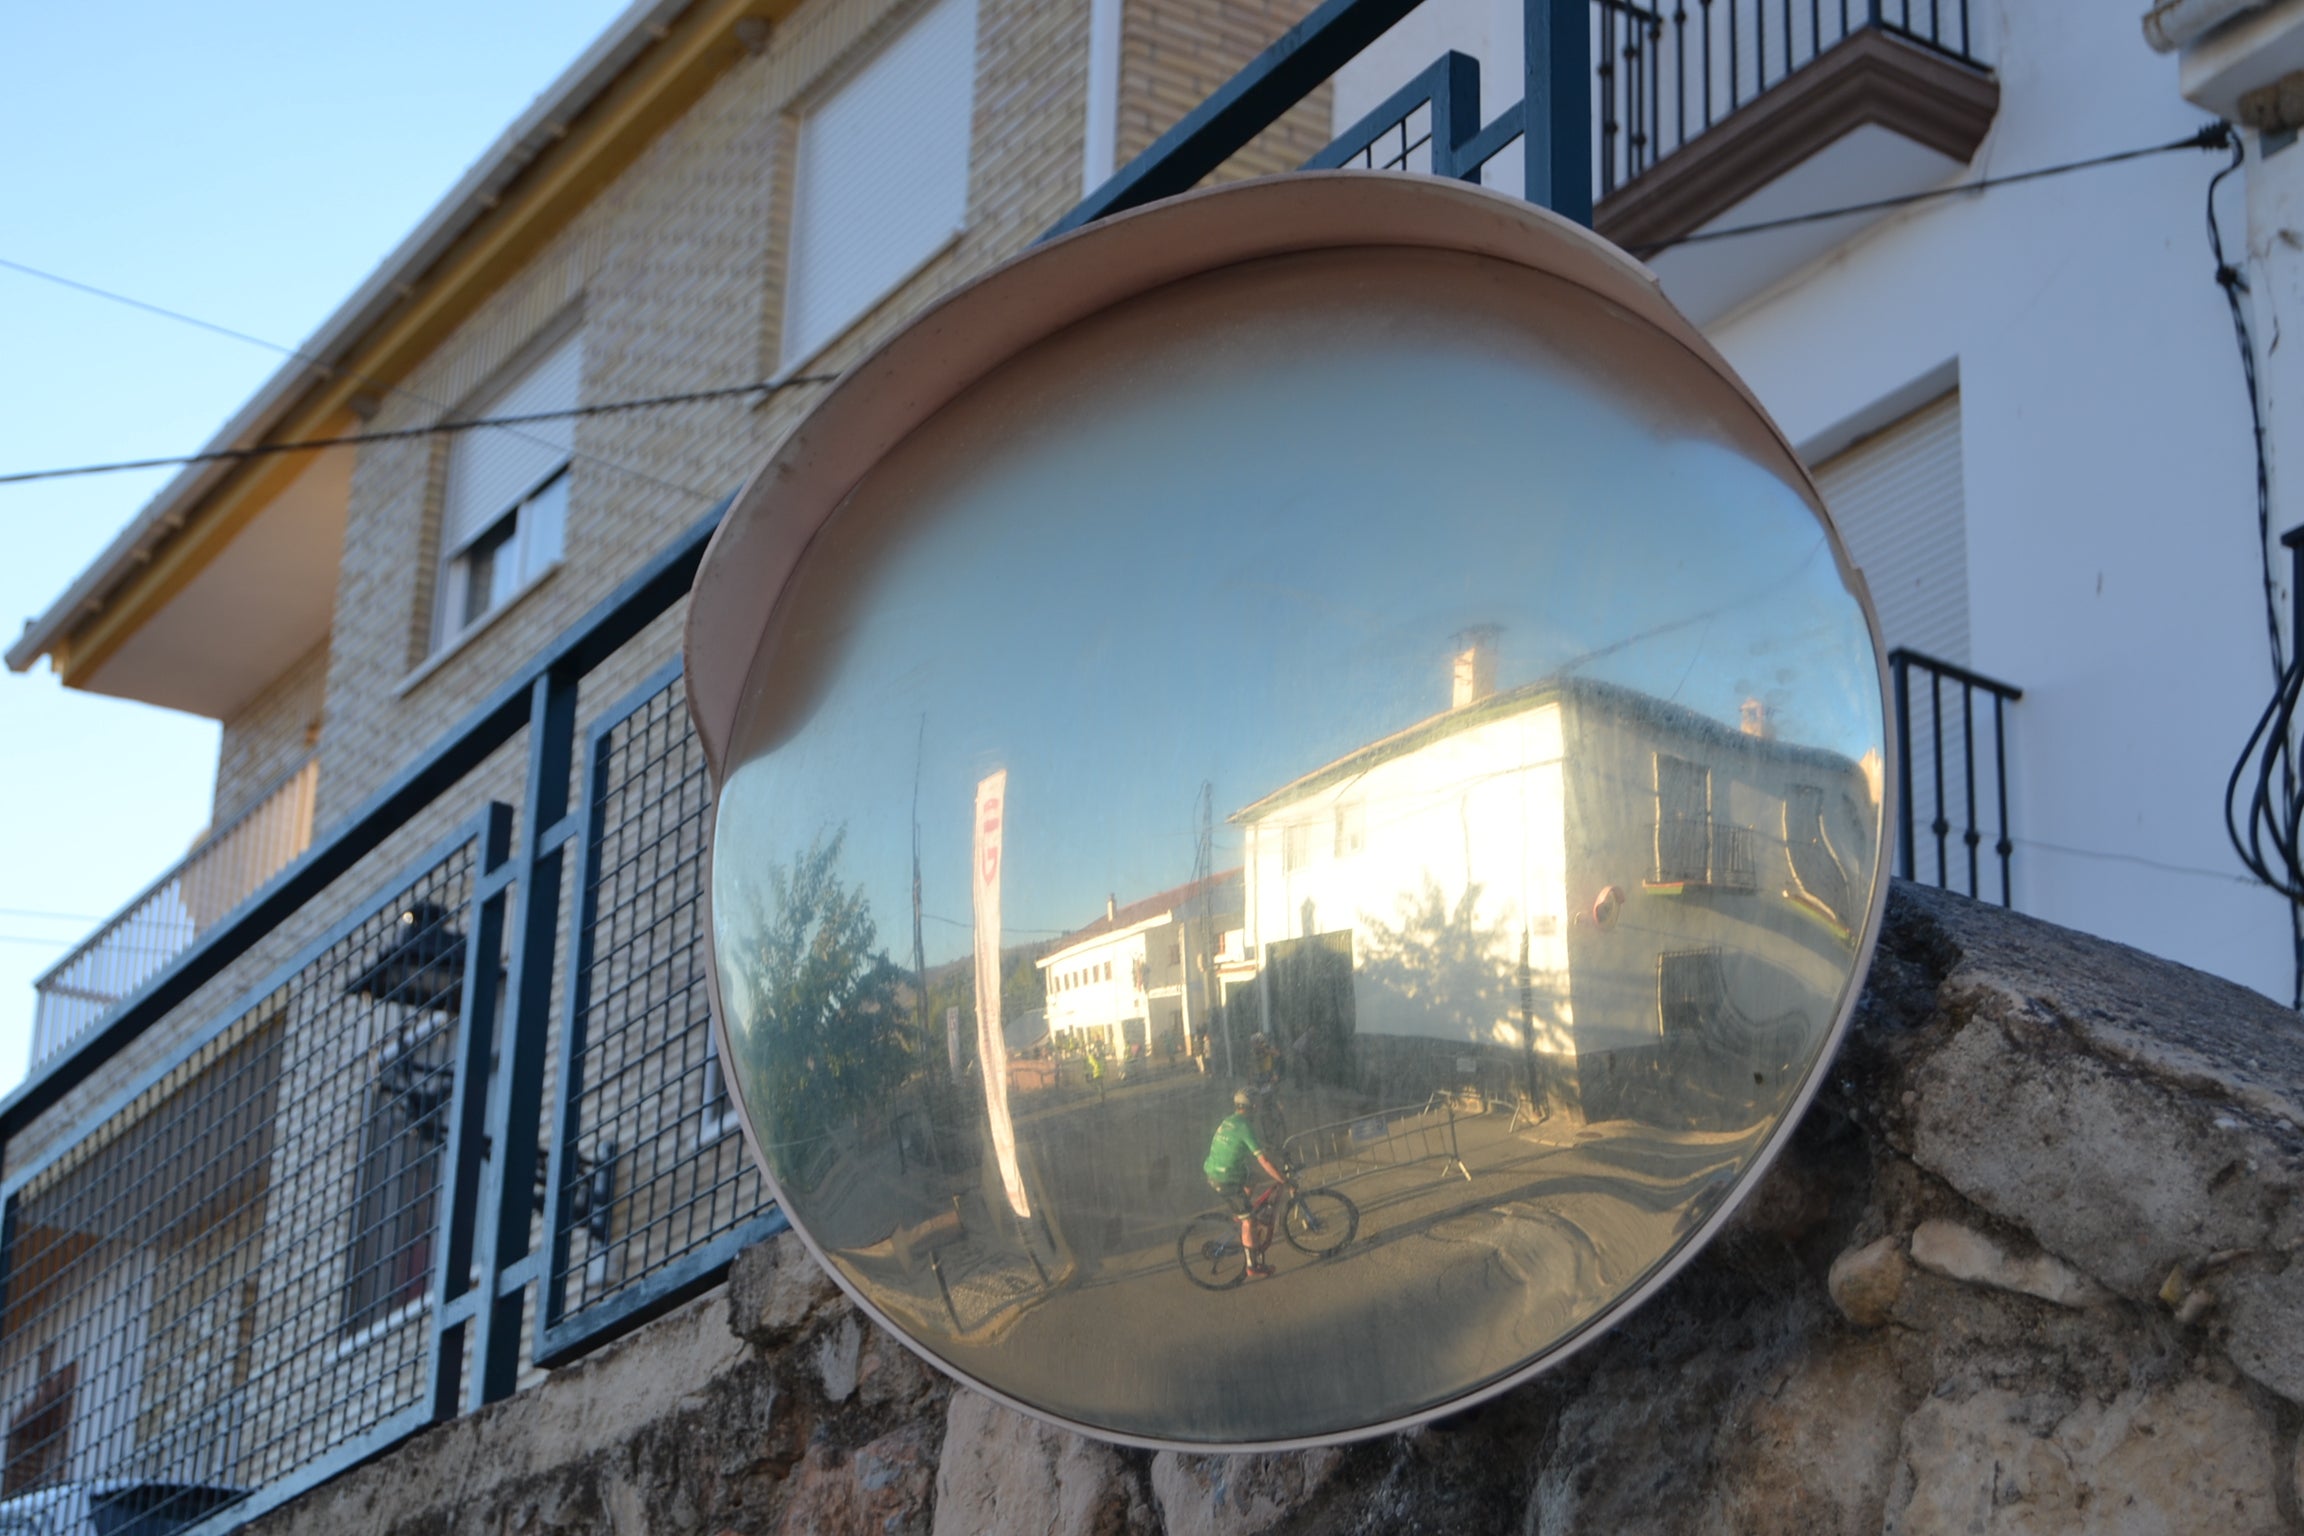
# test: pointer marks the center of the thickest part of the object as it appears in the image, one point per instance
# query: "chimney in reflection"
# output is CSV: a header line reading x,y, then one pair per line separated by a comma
x,y
1111,908
1753,719
1472,666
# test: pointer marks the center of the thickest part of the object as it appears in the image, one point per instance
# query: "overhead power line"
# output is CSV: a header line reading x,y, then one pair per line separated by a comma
x,y
161,310
322,365
354,439
2216,135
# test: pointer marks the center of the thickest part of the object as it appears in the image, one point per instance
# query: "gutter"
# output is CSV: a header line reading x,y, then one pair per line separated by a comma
x,y
547,121
2174,25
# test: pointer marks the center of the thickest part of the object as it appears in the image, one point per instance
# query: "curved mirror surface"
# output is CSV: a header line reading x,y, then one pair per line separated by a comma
x,y
1385,718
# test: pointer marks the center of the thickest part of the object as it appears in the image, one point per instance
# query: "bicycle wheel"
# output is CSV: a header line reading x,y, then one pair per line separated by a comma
x,y
1209,1251
1320,1221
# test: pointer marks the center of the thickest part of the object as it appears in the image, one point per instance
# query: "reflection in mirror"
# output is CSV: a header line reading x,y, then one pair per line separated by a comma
x,y
1383,719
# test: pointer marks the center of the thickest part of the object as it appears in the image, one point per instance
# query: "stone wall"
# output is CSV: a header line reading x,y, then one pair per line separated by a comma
x,y
2029,1265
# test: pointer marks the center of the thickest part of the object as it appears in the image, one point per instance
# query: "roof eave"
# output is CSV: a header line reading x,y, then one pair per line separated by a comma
x,y
643,24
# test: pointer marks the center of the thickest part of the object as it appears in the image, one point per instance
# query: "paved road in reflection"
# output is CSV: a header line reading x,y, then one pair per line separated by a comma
x,y
1449,1281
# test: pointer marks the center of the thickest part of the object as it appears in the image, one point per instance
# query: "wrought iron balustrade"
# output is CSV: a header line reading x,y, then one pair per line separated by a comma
x,y
1664,74
229,865
1937,773
1704,852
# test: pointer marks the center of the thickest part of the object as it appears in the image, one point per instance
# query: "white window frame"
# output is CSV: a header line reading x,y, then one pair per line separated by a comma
x,y
716,1117
514,544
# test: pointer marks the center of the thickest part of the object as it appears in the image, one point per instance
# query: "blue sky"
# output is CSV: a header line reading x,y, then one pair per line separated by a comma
x,y
1243,556
245,163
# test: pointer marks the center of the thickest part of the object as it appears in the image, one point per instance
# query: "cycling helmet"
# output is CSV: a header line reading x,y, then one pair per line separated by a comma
x,y
1242,1098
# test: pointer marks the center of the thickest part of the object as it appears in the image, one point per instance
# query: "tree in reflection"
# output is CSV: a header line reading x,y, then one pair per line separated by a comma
x,y
1437,971
1443,967
827,1005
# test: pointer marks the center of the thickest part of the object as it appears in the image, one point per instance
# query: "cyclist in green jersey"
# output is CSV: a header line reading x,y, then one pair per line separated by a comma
x,y
1234,1151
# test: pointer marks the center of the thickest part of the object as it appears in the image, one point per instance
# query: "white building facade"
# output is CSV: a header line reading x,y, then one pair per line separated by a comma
x,y
2026,405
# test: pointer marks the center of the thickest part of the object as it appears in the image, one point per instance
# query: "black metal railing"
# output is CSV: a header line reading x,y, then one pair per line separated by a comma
x,y
1659,80
1937,770
1662,76
1702,851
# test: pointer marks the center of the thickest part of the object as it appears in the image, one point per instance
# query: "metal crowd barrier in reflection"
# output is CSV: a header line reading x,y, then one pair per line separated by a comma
x,y
1389,1138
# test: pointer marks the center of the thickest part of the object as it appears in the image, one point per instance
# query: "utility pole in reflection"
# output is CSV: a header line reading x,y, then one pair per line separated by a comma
x,y
1197,959
920,949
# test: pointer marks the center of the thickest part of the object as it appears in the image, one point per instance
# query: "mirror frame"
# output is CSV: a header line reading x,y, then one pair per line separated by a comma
x,y
934,359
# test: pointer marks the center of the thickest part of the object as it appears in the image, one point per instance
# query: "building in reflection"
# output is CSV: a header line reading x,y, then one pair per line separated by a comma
x,y
1569,895
1143,974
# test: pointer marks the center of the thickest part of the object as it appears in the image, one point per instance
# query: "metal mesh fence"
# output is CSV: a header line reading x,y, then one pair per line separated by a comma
x,y
230,1275
659,1170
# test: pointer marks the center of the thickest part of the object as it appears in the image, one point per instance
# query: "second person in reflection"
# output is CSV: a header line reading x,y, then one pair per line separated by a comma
x,y
1234,1152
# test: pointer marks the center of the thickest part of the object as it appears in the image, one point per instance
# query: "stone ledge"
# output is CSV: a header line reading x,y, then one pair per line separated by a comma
x,y
1902,1330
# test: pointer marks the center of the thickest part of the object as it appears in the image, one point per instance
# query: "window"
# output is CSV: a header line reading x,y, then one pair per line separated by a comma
x,y
882,180
1896,498
1351,829
1817,872
506,507
1689,992
1296,845
40,1433
1683,820
719,1114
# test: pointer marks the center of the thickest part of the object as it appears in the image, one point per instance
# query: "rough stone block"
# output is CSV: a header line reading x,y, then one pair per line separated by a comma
x,y
774,1288
1866,1282
2192,1457
837,1355
1962,1253
1235,1495
1002,1471
881,1488
1814,1453
2264,1325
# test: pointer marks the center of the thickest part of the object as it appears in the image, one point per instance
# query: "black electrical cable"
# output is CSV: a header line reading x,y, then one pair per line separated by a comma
x,y
320,365
2275,808
2214,135
265,450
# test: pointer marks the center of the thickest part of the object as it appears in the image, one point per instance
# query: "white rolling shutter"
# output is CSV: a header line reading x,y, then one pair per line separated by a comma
x,y
883,176
1897,500
491,468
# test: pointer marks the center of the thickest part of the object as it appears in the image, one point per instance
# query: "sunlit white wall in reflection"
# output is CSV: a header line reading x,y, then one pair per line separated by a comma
x,y
1441,851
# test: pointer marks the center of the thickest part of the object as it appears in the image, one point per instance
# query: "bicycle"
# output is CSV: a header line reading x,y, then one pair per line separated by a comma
x,y
1316,1222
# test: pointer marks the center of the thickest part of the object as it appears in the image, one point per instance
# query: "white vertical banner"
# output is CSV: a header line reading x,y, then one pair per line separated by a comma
x,y
991,1044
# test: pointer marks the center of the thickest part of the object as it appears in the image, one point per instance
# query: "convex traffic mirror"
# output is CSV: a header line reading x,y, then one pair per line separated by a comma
x,y
1300,806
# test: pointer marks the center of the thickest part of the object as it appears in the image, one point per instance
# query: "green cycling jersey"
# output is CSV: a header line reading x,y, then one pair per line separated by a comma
x,y
1234,1151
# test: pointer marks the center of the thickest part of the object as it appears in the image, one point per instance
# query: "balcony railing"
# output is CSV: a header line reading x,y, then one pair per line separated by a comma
x,y
1699,852
1666,74
1938,722
229,865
